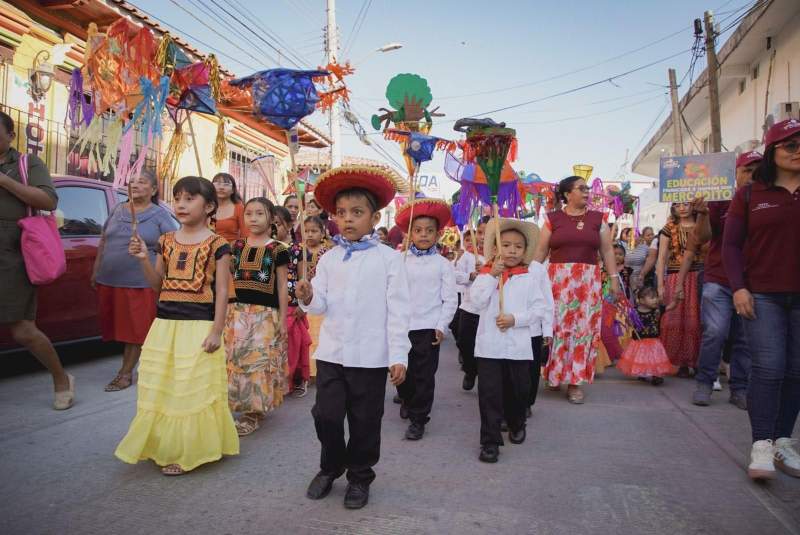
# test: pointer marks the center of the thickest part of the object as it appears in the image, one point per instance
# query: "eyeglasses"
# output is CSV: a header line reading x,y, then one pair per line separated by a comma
x,y
582,189
790,146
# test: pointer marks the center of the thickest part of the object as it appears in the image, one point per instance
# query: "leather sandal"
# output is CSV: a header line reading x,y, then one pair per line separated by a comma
x,y
173,470
120,382
575,396
65,398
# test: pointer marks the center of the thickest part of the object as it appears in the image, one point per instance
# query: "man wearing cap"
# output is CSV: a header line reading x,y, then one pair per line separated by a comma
x,y
719,320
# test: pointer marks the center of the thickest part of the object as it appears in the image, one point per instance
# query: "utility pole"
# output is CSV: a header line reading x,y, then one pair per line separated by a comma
x,y
713,87
332,50
677,131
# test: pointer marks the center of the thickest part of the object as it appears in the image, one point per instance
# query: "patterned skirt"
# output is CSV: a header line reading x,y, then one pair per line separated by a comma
x,y
256,358
577,293
680,328
182,414
314,325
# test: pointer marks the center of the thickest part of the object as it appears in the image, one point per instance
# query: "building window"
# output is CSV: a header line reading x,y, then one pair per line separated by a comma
x,y
248,181
742,85
755,72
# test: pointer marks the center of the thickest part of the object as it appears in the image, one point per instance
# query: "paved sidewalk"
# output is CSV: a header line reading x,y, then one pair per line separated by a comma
x,y
635,459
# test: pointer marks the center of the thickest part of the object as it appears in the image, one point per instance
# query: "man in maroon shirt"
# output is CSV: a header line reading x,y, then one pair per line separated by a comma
x,y
719,319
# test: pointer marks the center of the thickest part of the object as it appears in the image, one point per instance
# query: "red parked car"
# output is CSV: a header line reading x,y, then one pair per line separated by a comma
x,y
67,308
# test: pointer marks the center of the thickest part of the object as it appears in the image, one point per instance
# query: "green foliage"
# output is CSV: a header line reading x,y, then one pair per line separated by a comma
x,y
412,85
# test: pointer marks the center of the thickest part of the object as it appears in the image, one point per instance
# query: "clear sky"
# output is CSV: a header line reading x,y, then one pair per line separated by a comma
x,y
470,52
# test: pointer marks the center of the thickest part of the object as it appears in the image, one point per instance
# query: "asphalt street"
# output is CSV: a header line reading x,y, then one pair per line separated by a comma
x,y
635,459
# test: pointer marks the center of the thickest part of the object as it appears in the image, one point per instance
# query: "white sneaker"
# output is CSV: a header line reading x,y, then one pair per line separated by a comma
x,y
717,386
786,456
762,460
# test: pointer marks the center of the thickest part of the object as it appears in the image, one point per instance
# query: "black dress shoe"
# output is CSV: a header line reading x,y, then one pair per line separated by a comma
x,y
320,486
517,437
469,382
396,399
403,411
415,431
489,453
356,496
503,426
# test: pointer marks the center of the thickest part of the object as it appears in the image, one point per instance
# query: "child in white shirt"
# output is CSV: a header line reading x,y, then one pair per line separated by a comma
x,y
361,289
503,345
433,303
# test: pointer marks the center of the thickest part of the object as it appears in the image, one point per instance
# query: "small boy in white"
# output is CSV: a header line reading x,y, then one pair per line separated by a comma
x,y
433,303
362,290
503,344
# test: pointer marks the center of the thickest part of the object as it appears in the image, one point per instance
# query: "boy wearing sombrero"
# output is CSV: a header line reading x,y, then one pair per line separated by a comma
x,y
433,302
361,288
503,345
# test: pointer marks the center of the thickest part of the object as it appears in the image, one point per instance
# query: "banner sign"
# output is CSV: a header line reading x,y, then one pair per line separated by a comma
x,y
683,178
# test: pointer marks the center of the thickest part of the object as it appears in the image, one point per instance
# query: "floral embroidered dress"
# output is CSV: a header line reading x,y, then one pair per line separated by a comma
x,y
182,414
575,275
254,338
680,327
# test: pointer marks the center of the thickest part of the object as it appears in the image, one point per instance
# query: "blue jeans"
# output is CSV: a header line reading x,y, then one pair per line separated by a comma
x,y
719,322
773,399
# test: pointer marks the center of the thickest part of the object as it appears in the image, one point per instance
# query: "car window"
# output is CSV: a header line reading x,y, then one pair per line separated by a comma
x,y
121,196
81,211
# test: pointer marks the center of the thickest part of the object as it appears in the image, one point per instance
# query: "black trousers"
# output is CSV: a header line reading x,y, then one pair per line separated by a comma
x,y
467,331
453,326
536,367
358,395
423,361
503,391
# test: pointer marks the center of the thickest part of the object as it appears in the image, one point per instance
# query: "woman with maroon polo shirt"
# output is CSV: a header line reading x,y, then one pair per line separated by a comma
x,y
575,237
761,255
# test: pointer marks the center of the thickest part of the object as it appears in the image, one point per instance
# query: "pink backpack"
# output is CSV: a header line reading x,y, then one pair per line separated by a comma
x,y
41,244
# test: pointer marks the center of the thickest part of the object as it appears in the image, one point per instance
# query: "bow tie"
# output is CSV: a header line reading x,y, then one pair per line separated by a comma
x,y
423,252
366,241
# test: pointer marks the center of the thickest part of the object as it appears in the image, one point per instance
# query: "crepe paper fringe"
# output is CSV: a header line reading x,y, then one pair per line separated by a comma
x,y
161,52
178,144
220,148
214,78
79,110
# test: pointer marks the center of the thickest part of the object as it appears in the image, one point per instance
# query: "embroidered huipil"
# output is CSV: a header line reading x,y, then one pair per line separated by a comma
x,y
255,272
434,299
544,326
465,266
523,299
366,304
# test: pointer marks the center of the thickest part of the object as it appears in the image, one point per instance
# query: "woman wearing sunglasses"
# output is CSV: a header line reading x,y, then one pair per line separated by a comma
x,y
574,238
761,255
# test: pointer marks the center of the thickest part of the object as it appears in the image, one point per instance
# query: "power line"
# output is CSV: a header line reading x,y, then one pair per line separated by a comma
x,y
588,115
357,27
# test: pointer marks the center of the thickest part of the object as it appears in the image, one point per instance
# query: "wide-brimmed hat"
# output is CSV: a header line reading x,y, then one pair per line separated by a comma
x,y
746,158
377,181
529,230
435,208
780,131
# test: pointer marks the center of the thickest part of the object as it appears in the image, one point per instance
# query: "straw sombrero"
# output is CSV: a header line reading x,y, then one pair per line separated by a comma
x,y
379,182
435,208
529,230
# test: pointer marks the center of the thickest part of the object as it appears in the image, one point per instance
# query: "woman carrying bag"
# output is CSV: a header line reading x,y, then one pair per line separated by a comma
x,y
18,310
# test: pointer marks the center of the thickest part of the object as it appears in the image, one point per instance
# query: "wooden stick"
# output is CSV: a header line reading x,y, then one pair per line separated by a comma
x,y
496,210
302,198
411,197
134,222
194,144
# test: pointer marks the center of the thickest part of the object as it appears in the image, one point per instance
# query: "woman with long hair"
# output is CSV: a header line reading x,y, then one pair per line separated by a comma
x,y
680,327
761,256
574,238
230,214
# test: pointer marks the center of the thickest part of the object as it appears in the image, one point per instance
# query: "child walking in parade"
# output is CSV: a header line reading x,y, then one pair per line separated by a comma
x,y
316,246
182,416
503,345
361,289
255,332
466,271
433,304
645,356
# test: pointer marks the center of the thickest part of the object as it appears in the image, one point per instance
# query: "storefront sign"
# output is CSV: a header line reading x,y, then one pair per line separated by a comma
x,y
683,178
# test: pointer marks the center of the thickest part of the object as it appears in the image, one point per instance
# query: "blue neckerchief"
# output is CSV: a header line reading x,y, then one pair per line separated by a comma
x,y
423,252
366,241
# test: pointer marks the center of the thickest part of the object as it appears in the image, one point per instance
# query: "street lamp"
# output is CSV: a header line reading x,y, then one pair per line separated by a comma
x,y
41,75
389,47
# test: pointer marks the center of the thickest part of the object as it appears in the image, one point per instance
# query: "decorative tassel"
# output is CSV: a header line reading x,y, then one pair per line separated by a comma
x,y
220,145
74,105
161,52
169,165
113,138
214,79
90,139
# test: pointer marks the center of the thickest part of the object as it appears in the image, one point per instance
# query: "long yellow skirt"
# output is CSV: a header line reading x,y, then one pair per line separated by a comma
x,y
182,414
314,323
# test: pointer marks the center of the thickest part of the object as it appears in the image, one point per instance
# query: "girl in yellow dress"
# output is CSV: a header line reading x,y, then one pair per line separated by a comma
x,y
182,417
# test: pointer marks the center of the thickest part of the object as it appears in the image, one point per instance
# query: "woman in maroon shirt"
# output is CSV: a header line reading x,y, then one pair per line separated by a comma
x,y
575,237
761,256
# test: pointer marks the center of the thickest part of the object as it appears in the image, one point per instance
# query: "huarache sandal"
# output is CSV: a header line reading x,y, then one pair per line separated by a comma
x,y
120,382
246,426
64,399
173,470
575,395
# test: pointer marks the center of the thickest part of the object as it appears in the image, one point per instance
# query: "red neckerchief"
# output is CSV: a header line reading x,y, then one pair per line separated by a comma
x,y
507,272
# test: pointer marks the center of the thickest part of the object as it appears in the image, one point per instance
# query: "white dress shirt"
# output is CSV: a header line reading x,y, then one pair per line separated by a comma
x,y
542,280
523,300
366,304
465,266
433,299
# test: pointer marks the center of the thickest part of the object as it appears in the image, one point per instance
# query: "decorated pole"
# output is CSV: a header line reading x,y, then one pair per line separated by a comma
x,y
292,140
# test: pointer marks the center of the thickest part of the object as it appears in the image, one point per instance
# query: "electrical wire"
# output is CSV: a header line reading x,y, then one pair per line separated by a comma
x,y
357,29
588,115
